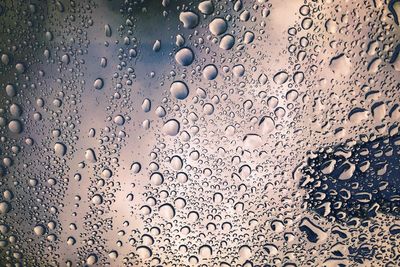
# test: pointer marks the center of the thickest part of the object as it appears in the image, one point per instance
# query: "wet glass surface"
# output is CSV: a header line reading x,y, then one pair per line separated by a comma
x,y
199,133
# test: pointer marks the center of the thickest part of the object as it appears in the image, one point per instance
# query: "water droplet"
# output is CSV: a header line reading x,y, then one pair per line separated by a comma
x,y
167,211
184,56
98,83
210,72
218,26
206,7
171,127
179,90
281,77
60,149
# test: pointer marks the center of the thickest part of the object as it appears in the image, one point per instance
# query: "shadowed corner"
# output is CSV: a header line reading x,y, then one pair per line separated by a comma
x,y
354,180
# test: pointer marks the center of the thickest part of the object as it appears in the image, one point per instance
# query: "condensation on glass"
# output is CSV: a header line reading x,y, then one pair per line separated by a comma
x,y
199,133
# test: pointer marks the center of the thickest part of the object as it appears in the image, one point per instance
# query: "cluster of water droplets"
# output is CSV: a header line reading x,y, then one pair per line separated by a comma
x,y
205,133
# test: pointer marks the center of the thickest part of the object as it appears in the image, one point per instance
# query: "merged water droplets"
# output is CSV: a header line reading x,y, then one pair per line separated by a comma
x,y
340,64
189,19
